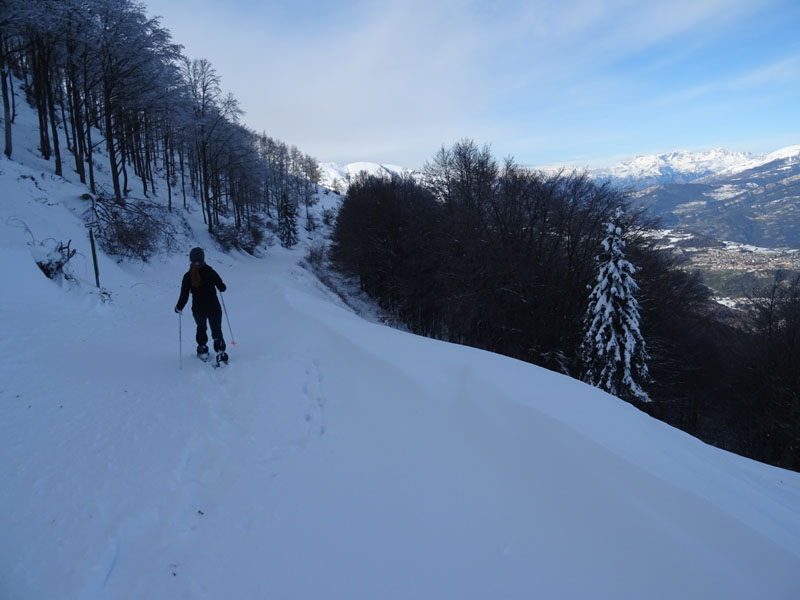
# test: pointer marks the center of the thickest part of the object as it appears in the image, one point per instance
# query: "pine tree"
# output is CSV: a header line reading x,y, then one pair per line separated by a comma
x,y
287,221
613,348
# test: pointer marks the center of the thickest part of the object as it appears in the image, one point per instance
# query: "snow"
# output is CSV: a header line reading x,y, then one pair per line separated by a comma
x,y
789,153
732,303
334,457
676,166
690,205
683,166
723,192
739,247
335,175
612,322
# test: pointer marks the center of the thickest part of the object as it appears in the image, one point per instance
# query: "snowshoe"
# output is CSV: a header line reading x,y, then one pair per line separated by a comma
x,y
222,358
202,352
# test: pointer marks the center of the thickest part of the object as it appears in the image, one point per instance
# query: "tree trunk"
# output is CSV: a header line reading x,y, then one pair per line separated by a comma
x,y
74,101
65,122
87,100
13,98
140,144
112,153
167,171
89,147
51,107
206,184
122,161
40,95
147,157
6,103
183,177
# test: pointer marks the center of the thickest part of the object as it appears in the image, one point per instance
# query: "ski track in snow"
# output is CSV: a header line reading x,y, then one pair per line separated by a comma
x,y
96,370
240,412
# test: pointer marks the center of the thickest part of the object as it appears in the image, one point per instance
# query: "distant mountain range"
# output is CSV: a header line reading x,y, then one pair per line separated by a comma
x,y
337,177
673,167
682,166
732,196
728,196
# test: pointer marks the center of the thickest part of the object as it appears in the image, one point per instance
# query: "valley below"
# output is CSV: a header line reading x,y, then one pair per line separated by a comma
x,y
731,269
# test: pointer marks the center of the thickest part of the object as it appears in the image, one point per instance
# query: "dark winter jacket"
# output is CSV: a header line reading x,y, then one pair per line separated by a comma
x,y
204,298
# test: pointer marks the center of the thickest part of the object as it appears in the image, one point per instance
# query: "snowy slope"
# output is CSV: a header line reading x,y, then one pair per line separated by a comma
x,y
789,154
338,458
334,457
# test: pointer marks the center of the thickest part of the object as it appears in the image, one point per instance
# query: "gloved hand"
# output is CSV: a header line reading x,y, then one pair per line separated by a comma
x,y
178,310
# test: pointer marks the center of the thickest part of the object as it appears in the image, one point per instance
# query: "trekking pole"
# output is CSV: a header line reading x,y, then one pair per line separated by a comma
x,y
225,310
180,342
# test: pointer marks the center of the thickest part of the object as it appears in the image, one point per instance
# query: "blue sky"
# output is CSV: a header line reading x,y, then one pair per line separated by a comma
x,y
579,82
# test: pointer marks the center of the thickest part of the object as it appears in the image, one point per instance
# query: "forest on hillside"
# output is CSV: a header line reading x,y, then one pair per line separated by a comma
x,y
110,87
498,257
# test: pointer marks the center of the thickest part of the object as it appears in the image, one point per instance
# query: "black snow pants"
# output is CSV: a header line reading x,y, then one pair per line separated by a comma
x,y
215,320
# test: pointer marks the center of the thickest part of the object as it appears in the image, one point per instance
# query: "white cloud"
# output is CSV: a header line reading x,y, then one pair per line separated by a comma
x,y
393,81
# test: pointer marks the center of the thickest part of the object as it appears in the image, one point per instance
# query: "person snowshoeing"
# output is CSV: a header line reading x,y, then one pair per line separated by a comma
x,y
203,282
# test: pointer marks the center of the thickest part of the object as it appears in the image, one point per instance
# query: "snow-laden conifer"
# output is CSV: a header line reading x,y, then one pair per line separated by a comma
x,y
613,348
287,221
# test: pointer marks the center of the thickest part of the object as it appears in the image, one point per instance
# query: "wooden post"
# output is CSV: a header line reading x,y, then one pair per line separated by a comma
x,y
94,258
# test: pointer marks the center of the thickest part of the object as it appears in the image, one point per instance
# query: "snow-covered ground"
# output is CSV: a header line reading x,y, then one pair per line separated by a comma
x,y
334,457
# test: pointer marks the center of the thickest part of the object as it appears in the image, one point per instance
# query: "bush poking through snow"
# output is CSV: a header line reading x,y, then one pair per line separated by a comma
x,y
52,258
328,217
247,237
135,229
315,255
311,223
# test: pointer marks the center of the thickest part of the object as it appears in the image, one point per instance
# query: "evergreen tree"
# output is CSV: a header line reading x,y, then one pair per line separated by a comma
x,y
287,221
613,348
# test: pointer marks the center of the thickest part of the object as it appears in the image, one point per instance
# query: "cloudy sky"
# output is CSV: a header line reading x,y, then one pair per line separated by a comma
x,y
581,82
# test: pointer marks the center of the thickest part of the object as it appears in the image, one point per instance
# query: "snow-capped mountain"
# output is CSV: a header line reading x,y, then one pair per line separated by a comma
x,y
337,177
676,167
756,202
790,153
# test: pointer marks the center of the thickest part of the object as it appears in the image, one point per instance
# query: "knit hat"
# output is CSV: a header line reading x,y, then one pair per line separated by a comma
x,y
197,256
